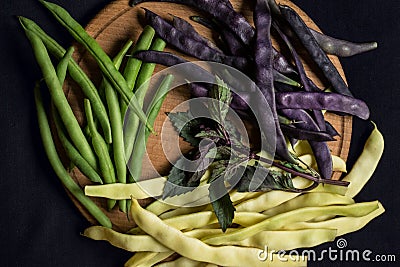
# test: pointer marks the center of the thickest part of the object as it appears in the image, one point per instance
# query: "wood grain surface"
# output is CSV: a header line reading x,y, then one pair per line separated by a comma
x,y
112,27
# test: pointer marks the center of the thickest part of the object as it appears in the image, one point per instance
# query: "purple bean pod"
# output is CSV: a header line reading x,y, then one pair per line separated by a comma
x,y
322,101
190,31
319,117
190,46
302,134
263,58
220,11
341,48
316,53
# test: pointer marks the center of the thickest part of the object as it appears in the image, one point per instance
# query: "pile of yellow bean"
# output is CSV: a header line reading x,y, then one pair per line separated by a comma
x,y
278,220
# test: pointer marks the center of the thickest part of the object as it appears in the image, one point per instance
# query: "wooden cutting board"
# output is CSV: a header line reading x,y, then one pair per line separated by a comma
x,y
112,27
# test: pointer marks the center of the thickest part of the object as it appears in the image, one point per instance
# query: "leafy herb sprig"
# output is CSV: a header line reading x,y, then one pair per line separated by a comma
x,y
218,147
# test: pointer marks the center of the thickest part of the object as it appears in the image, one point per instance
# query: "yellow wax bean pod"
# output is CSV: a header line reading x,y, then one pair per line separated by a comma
x,y
182,262
133,243
366,163
338,164
299,215
309,200
147,259
275,240
287,240
119,191
237,197
193,248
159,207
265,201
182,211
343,225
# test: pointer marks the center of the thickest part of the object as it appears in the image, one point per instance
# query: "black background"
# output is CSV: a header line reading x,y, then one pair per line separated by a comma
x,y
41,227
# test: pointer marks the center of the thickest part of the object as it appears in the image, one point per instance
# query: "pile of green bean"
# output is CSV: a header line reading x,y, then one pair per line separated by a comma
x,y
97,149
277,219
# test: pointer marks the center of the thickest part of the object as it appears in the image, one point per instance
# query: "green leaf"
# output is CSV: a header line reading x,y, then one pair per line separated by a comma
x,y
176,183
181,181
187,126
210,134
264,180
222,206
219,109
219,153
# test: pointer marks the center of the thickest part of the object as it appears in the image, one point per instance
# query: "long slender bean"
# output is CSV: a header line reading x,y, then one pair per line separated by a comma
x,y
62,66
191,46
58,167
366,163
133,65
77,74
341,48
191,247
139,148
116,124
110,72
264,77
219,10
132,123
73,154
101,149
298,215
59,99
320,58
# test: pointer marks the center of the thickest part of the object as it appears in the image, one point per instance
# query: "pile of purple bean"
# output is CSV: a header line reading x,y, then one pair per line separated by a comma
x,y
296,102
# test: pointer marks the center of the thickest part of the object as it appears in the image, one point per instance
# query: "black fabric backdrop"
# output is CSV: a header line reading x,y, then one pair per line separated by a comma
x,y
41,227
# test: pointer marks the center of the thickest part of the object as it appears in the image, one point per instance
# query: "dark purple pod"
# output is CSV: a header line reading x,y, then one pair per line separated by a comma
x,y
316,53
322,101
190,46
301,134
323,158
341,48
218,9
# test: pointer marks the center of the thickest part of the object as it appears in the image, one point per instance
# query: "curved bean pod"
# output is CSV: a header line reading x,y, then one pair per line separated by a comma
x,y
189,45
219,10
316,53
193,248
299,215
301,134
73,154
341,48
264,77
59,99
101,149
77,74
107,67
366,163
58,167
322,101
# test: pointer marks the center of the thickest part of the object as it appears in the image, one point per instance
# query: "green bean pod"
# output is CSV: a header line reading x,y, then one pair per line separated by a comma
x,y
142,84
139,148
62,66
58,167
106,65
77,74
116,124
59,99
101,149
73,154
133,64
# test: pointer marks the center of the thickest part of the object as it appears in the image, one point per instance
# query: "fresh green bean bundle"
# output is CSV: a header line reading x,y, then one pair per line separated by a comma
x,y
77,74
59,99
58,167
106,65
